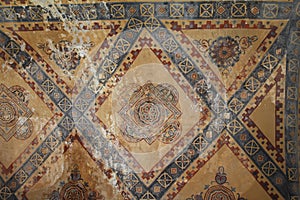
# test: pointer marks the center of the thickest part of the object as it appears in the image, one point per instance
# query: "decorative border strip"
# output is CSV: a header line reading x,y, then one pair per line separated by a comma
x,y
178,10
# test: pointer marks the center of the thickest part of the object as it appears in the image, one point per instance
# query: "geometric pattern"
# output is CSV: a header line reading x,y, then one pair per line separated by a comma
x,y
15,116
148,109
149,100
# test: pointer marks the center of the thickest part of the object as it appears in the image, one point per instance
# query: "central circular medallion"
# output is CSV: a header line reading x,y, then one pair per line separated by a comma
x,y
8,114
148,112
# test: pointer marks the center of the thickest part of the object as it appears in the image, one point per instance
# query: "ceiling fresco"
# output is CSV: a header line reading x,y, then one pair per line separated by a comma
x,y
185,100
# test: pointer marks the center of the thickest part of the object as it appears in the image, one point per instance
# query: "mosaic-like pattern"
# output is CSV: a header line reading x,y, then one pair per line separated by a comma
x,y
15,116
151,112
149,100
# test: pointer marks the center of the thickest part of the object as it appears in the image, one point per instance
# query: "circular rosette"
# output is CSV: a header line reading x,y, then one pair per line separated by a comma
x,y
149,112
24,131
224,52
73,190
219,192
147,115
149,109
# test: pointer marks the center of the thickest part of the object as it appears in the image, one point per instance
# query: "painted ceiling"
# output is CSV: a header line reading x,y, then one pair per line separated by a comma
x,y
186,100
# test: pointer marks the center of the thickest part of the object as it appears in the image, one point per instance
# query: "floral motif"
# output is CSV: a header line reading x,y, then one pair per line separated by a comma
x,y
66,54
75,188
218,191
225,51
